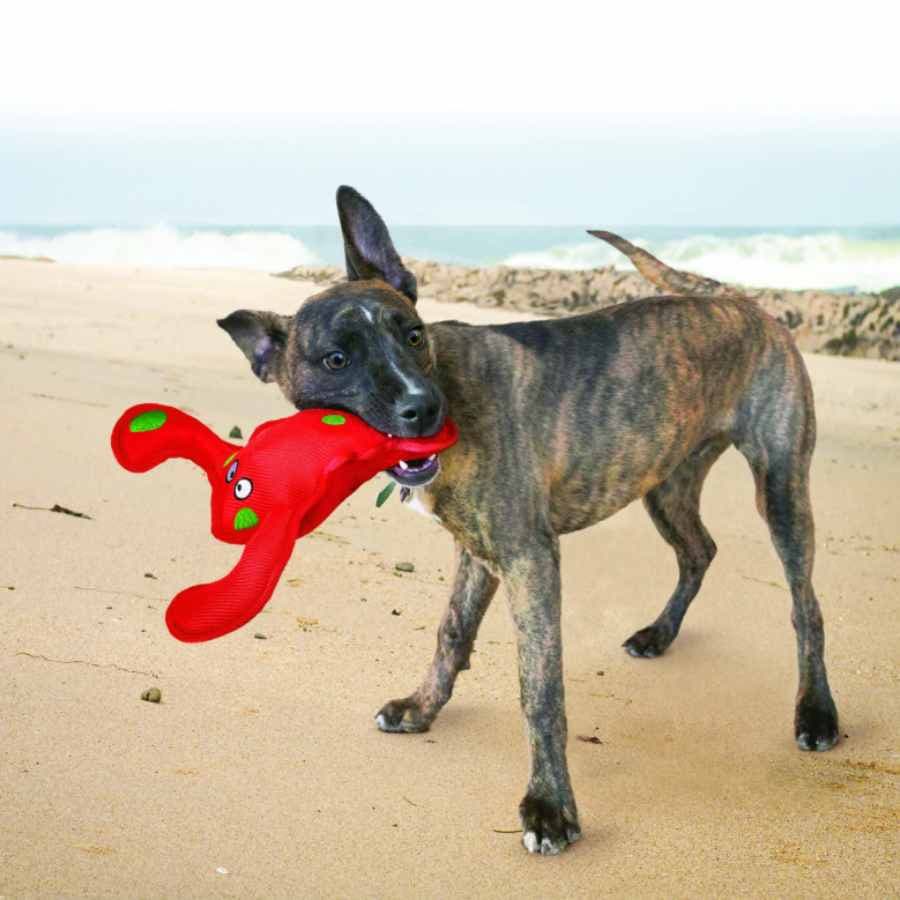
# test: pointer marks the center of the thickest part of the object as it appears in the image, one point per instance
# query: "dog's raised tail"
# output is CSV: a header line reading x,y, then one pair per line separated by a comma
x,y
662,276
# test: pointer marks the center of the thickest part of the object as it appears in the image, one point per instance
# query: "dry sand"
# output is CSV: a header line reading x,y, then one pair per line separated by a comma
x,y
263,760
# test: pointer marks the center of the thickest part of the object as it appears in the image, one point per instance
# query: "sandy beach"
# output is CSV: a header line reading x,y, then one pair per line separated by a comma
x,y
262,774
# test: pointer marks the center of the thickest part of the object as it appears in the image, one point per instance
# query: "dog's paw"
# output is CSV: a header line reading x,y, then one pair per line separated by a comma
x,y
816,725
546,828
648,642
402,717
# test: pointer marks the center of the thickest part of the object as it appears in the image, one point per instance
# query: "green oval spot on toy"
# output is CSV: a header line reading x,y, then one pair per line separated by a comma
x,y
148,421
245,518
333,420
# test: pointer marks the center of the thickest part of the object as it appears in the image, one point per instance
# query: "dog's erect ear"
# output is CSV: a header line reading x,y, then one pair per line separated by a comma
x,y
368,248
262,337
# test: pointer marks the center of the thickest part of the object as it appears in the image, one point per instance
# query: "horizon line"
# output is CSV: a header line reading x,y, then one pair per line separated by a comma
x,y
575,226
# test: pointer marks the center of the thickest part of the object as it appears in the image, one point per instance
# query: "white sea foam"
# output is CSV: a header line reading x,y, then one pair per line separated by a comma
x,y
568,256
164,245
830,261
824,261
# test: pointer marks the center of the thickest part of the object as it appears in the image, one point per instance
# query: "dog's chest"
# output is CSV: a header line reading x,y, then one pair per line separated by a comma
x,y
420,502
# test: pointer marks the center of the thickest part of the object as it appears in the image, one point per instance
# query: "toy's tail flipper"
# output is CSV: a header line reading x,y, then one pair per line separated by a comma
x,y
208,611
149,433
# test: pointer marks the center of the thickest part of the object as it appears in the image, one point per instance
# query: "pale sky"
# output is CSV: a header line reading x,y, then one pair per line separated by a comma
x,y
691,113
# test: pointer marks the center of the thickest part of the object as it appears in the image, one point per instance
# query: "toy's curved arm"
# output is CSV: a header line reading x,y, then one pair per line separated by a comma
x,y
208,611
150,433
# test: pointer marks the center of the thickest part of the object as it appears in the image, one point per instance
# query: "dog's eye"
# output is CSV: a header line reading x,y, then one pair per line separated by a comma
x,y
243,488
416,337
336,360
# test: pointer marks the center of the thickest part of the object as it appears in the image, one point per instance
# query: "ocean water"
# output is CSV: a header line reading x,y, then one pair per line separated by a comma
x,y
847,259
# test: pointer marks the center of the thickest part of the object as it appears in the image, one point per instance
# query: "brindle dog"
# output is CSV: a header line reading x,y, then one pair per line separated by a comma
x,y
562,423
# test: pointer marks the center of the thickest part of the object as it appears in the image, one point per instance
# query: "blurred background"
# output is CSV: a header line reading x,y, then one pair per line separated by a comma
x,y
757,144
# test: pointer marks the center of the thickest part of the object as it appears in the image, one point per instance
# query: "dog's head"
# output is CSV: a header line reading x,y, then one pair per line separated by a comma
x,y
358,346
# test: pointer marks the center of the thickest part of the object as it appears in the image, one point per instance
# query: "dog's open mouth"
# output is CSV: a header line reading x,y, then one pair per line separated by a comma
x,y
415,472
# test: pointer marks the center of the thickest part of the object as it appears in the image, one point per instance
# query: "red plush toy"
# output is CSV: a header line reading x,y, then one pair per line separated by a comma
x,y
283,484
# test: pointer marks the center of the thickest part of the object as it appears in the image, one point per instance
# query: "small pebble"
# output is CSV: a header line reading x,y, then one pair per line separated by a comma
x,y
260,636
405,567
221,870
395,612
152,695
150,575
235,433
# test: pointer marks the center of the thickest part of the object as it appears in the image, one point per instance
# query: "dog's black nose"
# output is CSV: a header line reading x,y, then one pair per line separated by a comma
x,y
422,413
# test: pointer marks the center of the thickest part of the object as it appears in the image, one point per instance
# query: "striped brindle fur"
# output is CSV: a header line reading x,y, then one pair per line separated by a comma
x,y
563,423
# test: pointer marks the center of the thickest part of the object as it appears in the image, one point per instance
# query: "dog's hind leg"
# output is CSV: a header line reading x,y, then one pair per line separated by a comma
x,y
778,444
473,589
674,507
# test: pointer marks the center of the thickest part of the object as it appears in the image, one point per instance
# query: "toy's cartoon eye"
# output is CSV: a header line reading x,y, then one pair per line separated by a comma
x,y
229,475
416,337
337,359
243,488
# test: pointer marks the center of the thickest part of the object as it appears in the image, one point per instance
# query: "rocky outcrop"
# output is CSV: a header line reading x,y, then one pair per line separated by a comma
x,y
840,324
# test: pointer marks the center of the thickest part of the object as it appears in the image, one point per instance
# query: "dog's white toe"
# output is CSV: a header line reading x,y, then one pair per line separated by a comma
x,y
548,848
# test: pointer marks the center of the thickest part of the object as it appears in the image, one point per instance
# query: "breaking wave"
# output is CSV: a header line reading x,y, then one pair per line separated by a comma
x,y
827,261
862,259
162,245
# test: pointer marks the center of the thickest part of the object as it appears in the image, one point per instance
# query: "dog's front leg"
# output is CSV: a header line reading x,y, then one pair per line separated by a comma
x,y
548,813
473,588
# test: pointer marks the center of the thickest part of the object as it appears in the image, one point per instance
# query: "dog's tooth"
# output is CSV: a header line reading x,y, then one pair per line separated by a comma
x,y
433,456
390,435
403,465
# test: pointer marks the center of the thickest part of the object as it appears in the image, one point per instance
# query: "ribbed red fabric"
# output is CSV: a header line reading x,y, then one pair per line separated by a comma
x,y
283,484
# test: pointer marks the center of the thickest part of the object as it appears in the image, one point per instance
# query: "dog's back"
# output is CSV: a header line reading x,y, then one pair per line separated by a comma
x,y
600,408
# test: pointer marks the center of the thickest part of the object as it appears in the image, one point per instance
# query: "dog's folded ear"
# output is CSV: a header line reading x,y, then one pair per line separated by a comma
x,y
262,337
368,248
